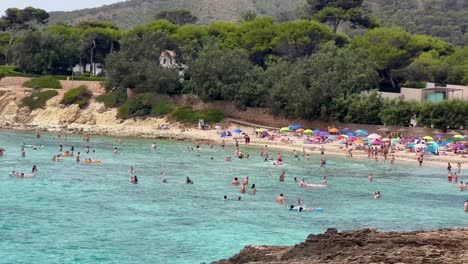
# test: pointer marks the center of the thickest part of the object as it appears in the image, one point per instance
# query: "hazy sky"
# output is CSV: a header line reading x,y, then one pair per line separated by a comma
x,y
54,5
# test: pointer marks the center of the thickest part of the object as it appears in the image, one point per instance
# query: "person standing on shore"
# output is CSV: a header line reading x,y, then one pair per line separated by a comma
x,y
322,150
449,167
458,167
420,160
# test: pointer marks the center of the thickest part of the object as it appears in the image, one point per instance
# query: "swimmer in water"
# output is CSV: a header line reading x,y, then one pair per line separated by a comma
x,y
154,146
282,175
235,181
465,206
242,188
23,153
377,195
295,179
134,179
225,198
253,190
188,181
246,180
302,183
370,178
119,141
78,157
131,171
299,201
116,151
34,169
324,180
280,199
239,198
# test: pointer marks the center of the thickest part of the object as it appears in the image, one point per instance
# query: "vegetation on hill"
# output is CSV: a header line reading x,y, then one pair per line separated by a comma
x,y
38,99
79,95
300,68
447,19
43,82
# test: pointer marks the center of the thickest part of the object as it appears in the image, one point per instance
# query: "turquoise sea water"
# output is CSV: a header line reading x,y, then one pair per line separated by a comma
x,y
77,213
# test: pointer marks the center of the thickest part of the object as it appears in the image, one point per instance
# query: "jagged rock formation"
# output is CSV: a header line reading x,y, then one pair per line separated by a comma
x,y
365,246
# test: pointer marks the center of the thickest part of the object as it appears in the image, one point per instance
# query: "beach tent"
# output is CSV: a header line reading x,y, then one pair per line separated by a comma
x,y
432,147
374,136
237,130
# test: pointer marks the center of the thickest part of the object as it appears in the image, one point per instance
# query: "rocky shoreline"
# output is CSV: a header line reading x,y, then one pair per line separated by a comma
x,y
364,246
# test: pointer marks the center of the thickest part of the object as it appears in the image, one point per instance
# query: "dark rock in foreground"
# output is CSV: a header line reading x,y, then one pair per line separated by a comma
x,y
365,246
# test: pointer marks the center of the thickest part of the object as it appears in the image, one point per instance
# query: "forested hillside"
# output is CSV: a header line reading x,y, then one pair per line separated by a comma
x,y
135,12
447,19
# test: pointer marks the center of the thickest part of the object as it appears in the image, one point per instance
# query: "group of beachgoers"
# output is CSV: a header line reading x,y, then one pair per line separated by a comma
x,y
373,153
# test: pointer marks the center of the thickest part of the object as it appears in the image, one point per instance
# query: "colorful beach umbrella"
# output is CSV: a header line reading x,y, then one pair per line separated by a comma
x,y
458,136
323,133
300,130
294,127
428,138
350,134
308,131
316,131
374,136
361,133
385,139
333,130
285,129
258,130
237,130
396,139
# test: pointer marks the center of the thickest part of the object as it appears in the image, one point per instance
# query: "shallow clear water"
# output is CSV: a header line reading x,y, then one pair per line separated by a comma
x,y
77,213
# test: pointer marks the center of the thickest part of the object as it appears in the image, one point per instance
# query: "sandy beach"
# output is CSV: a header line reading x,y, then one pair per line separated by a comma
x,y
96,119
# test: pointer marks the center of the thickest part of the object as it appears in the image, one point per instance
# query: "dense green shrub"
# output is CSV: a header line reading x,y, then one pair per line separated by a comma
x,y
43,82
187,115
161,108
146,104
79,95
415,84
38,100
113,99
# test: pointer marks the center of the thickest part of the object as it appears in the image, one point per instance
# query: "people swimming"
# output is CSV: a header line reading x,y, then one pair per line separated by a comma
x,y
465,206
34,169
324,180
154,146
246,180
134,179
377,195
131,170
235,181
282,175
304,184
116,151
23,153
242,188
253,190
299,208
370,178
323,161
280,199
188,180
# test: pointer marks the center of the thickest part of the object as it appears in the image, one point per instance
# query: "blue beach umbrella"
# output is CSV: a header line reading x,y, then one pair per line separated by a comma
x,y
361,133
294,127
237,130
323,133
350,134
316,131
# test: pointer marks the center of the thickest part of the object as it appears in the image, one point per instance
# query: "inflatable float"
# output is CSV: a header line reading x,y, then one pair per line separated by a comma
x,y
93,161
31,146
22,175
